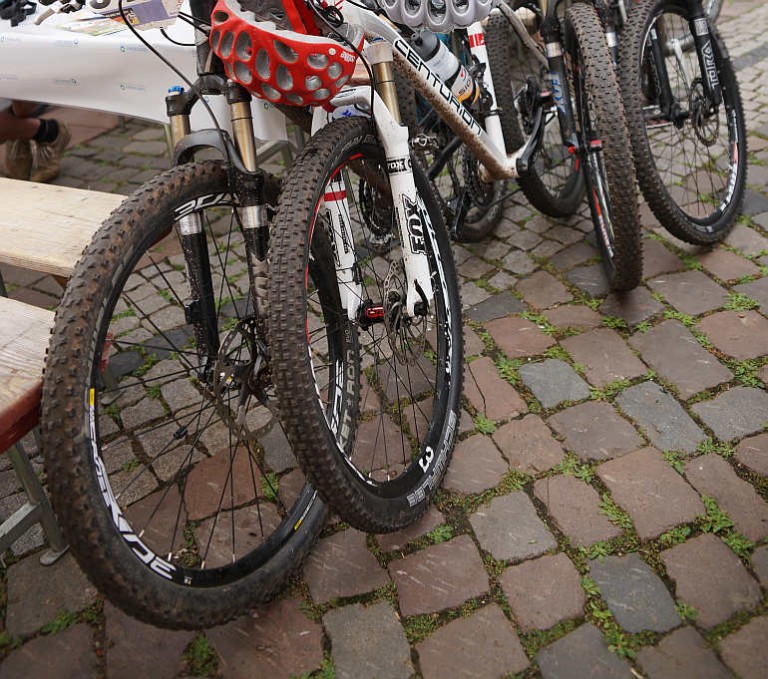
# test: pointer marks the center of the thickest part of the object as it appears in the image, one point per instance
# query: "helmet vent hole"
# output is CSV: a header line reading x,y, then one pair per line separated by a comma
x,y
335,70
284,79
220,17
262,64
215,37
244,46
322,94
226,44
317,61
285,52
243,73
270,92
294,99
312,82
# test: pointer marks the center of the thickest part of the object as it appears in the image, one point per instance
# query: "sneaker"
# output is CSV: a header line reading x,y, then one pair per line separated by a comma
x,y
48,160
18,158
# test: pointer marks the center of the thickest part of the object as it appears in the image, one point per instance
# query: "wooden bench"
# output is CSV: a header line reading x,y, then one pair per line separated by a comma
x,y
43,228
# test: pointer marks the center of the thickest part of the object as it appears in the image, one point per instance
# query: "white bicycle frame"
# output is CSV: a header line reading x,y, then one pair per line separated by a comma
x,y
412,218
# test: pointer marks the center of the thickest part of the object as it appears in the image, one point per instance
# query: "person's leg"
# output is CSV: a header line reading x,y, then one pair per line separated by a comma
x,y
17,128
51,140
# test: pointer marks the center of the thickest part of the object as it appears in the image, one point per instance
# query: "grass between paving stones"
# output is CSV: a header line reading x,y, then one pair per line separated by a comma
x,y
715,634
326,671
712,445
201,657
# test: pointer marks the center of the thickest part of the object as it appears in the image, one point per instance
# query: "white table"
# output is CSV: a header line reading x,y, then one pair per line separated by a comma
x,y
113,73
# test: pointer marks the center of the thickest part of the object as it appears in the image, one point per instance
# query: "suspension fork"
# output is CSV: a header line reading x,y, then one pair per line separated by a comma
x,y
702,41
248,186
553,45
410,211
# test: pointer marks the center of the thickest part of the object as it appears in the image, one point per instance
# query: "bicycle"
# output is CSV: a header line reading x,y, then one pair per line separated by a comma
x,y
400,314
167,465
686,119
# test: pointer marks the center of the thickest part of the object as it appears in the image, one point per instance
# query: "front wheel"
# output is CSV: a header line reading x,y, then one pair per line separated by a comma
x,y
605,150
691,157
378,463
168,470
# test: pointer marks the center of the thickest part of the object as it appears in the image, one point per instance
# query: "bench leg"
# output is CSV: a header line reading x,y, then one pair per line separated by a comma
x,y
38,509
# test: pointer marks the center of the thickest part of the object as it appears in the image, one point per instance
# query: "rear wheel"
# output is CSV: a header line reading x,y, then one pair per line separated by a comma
x,y
168,469
378,464
553,184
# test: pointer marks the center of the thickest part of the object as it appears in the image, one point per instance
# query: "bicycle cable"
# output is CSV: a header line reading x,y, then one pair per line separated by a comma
x,y
197,25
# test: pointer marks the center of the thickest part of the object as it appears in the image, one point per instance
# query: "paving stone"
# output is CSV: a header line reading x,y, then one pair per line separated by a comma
x,y
573,255
518,263
489,393
524,239
575,316
710,577
546,249
661,417
529,445
726,265
673,352
633,306
634,593
658,259
605,356
595,431
642,483
37,593
741,334
746,239
757,290
735,413
278,639
581,654
542,290
690,292
760,564
746,652
341,566
544,591
473,345
518,337
590,280
752,452
472,295
136,649
682,655
575,507
399,539
483,645
498,306
501,280
509,528
441,576
66,655
474,267
477,465
277,449
711,475
491,249
553,382
564,234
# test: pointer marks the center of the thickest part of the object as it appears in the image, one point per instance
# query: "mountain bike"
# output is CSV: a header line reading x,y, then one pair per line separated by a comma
x,y
357,185
686,119
167,464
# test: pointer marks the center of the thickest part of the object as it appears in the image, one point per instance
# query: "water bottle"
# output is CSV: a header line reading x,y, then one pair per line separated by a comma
x,y
444,63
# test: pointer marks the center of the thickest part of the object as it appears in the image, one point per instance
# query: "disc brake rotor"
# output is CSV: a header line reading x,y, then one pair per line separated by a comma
x,y
407,335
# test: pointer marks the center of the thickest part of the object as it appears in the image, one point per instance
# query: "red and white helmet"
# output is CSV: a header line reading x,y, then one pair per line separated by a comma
x,y
291,64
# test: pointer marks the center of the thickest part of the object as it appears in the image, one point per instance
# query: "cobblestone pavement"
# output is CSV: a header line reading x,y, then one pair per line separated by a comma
x,y
605,514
